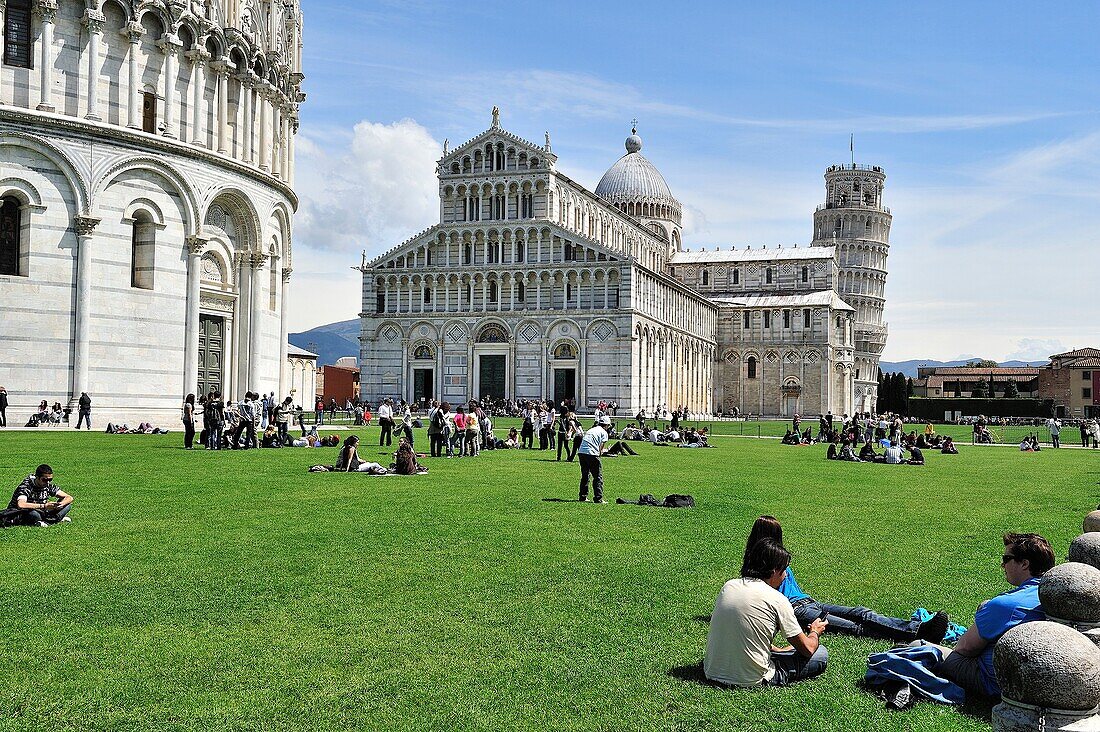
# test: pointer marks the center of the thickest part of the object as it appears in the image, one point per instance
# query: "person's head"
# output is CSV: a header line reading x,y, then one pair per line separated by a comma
x,y
189,399
605,421
767,560
43,475
351,441
765,527
445,406
461,410
217,395
1025,556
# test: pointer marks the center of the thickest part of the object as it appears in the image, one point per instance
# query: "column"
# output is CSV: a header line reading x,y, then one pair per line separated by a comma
x,y
248,127
85,229
582,375
240,320
263,95
277,146
169,46
93,21
46,10
133,33
256,319
197,58
221,69
195,247
3,24
284,310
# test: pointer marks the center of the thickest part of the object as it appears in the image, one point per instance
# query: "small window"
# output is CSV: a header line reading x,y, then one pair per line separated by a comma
x,y
1086,376
568,291
519,291
786,318
17,34
768,275
752,367
745,318
519,251
805,274
494,253
427,296
767,318
806,318
429,256
492,291
736,276
706,277
143,244
10,236
1086,392
149,112
379,302
467,252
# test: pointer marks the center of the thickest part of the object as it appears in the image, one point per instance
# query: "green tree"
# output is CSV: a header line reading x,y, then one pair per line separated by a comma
x,y
981,363
1012,391
901,400
979,391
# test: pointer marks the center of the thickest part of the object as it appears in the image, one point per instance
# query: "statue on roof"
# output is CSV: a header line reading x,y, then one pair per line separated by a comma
x,y
445,141
547,141
496,116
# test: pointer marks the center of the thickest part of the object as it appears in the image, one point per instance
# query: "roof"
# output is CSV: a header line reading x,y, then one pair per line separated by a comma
x,y
748,254
634,178
957,371
822,298
1088,363
1079,353
293,350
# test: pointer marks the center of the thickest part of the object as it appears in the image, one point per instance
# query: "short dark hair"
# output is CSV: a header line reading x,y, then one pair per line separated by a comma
x,y
43,469
765,527
1032,547
765,558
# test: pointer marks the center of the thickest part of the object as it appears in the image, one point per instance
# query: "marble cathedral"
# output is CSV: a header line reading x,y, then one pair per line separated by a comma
x,y
532,286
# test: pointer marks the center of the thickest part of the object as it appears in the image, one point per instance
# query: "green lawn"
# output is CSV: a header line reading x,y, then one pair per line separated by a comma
x,y
233,590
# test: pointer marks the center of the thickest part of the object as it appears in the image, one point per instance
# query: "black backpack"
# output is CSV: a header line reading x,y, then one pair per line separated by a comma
x,y
677,500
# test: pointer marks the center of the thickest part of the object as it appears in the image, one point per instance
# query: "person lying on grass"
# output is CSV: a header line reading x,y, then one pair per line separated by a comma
x,y
969,664
747,614
857,621
30,504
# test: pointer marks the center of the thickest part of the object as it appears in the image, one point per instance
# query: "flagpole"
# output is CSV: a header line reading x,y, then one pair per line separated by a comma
x,y
852,148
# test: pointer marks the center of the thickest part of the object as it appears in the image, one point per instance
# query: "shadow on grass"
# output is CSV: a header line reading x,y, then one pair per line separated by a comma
x,y
705,619
980,709
562,500
693,673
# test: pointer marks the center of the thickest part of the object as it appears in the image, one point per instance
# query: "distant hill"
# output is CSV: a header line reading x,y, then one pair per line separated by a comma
x,y
330,342
909,368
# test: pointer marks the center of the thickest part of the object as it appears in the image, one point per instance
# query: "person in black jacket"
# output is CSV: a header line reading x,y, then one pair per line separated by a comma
x,y
85,410
3,407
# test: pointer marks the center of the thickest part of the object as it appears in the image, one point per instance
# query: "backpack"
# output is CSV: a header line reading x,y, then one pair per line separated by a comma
x,y
677,500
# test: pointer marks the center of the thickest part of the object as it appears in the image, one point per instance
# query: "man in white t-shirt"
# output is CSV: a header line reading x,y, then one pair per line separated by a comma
x,y
592,446
385,421
748,612
894,454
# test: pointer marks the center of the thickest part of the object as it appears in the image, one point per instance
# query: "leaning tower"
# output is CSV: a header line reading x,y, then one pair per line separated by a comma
x,y
854,220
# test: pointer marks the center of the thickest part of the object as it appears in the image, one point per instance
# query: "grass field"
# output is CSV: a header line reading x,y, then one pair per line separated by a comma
x,y
234,590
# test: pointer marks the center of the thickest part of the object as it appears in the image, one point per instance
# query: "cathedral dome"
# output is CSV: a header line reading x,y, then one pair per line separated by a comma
x,y
633,179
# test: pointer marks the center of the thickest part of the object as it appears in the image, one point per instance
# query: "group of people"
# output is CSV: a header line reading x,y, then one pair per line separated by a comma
x,y
767,599
238,425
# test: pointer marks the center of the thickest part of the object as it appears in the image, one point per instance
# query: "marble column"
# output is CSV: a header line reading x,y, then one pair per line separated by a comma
x,y
133,33
284,310
4,93
169,46
85,232
244,106
240,320
46,10
93,21
255,331
221,69
195,247
263,95
197,58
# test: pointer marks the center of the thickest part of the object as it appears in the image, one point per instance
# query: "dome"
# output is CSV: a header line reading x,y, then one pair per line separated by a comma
x,y
633,179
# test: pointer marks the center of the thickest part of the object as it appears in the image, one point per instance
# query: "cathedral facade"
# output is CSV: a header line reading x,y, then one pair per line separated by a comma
x,y
146,165
533,287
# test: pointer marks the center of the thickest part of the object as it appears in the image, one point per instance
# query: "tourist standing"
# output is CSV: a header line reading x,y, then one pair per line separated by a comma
x,y
3,407
281,415
435,430
189,421
1055,428
385,421
407,424
85,409
214,417
592,446
561,426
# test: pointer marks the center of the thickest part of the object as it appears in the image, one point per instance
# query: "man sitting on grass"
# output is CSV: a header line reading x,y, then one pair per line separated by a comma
x,y
30,502
747,614
969,664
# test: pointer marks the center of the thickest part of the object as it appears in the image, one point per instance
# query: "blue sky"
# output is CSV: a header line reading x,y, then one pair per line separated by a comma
x,y
986,117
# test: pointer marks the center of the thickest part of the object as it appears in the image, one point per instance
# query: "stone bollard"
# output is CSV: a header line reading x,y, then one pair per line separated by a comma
x,y
1086,549
1092,522
1050,680
1070,595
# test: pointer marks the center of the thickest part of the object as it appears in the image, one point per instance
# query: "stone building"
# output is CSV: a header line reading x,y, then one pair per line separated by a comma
x,y
1072,382
146,165
531,286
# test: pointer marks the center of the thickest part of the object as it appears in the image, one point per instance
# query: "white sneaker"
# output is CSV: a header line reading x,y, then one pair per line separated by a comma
x,y
42,525
66,520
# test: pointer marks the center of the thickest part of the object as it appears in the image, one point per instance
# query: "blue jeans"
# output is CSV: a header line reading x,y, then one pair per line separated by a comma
x,y
857,621
792,666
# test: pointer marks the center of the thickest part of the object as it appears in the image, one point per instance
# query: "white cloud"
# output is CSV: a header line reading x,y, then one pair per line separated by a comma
x,y
1036,349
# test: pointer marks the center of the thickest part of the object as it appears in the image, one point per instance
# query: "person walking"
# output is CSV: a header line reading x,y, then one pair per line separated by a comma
x,y
3,407
592,447
214,417
189,421
407,424
85,407
561,426
281,415
1055,428
435,430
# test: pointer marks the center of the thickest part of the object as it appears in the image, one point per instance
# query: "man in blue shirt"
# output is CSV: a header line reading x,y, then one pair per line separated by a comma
x,y
970,663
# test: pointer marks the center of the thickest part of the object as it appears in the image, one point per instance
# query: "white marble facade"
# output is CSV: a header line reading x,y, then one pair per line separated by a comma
x,y
531,286
146,164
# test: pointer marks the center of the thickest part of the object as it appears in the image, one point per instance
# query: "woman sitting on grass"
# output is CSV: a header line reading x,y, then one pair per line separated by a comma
x,y
857,621
949,447
349,461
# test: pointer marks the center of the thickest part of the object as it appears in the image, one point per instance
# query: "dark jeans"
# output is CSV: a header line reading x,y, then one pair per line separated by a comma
x,y
214,437
563,443
527,437
248,430
544,437
84,416
792,666
3,417
1056,440
188,433
319,416
436,441
408,431
591,466
857,621
32,516
284,436
386,436
576,446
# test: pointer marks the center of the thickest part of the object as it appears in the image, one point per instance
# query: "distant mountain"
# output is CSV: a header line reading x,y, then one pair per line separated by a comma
x,y
909,368
330,342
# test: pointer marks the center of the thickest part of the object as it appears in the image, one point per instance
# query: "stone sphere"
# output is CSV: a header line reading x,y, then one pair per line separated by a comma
x,y
1071,591
1086,549
1048,665
1092,522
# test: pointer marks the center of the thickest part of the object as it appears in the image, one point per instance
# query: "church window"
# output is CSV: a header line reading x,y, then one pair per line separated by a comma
x,y
143,245
492,291
746,322
768,275
767,319
568,292
565,351
526,205
272,285
786,318
149,111
519,251
752,367
736,276
11,236
519,291
428,256
806,318
467,254
568,253
17,34
857,374
494,252
469,297
423,353
837,224
706,277
427,296
379,302
805,274
492,334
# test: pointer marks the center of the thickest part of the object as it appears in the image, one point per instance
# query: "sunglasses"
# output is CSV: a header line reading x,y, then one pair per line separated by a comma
x,y
1006,558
